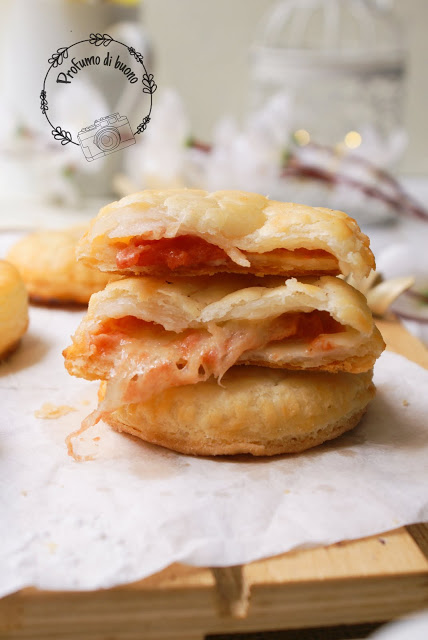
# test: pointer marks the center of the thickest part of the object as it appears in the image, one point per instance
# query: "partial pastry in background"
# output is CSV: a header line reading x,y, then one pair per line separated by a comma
x,y
188,232
47,263
13,308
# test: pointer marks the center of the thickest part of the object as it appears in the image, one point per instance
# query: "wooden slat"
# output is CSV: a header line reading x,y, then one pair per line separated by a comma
x,y
335,632
191,613
368,580
394,553
419,533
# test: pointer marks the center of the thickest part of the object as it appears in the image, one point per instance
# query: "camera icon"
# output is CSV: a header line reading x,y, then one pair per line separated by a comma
x,y
107,135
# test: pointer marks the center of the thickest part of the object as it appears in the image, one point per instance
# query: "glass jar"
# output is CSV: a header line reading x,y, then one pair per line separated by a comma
x,y
341,64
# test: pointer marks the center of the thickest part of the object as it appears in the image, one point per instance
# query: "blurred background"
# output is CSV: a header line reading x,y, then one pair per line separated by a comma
x,y
315,101
322,102
204,50
347,74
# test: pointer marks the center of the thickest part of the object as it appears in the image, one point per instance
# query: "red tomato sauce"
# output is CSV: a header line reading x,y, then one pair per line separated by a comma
x,y
185,251
313,324
112,331
182,251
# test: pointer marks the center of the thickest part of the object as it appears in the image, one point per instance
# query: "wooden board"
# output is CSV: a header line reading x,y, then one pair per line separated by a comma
x,y
370,580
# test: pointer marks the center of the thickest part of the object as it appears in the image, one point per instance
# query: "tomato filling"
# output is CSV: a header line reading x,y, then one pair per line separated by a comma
x,y
299,326
141,358
114,331
313,324
186,251
182,251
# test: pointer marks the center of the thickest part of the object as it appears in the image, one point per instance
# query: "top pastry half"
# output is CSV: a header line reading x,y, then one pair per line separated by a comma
x,y
188,232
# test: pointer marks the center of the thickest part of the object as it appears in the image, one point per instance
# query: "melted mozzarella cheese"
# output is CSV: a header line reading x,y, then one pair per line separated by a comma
x,y
148,359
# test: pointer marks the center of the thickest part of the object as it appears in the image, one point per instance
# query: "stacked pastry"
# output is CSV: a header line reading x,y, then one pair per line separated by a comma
x,y
231,332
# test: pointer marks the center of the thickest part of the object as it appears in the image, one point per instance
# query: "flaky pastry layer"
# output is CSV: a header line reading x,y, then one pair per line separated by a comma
x,y
255,235
256,411
145,335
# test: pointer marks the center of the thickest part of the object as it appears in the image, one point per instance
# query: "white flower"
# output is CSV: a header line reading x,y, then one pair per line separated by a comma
x,y
250,159
72,114
159,157
381,151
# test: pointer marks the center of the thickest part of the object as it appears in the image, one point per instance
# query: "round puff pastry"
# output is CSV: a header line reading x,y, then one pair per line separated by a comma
x,y
237,319
47,263
257,411
13,308
256,235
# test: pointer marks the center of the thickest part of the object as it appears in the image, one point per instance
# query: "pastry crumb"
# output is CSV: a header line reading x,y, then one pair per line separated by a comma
x,y
405,403
50,411
23,493
96,439
85,402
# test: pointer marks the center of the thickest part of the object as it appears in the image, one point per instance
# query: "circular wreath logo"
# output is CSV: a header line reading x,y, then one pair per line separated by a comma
x,y
110,133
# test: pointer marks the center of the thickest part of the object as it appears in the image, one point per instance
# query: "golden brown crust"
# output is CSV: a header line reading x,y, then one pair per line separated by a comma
x,y
180,303
358,359
290,272
211,448
13,308
240,223
256,411
10,349
47,263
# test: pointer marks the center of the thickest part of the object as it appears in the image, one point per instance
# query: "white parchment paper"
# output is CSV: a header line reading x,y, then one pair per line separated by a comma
x,y
136,508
